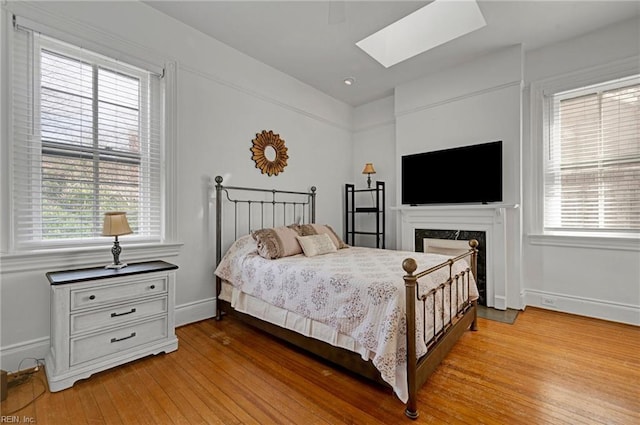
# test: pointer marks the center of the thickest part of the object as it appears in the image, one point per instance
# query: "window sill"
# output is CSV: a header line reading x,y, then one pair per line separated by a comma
x,y
63,258
629,243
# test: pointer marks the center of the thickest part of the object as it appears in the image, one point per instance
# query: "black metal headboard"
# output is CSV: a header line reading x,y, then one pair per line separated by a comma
x,y
260,208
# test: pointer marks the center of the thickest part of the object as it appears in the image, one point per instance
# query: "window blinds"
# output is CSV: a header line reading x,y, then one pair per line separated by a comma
x,y
87,139
592,172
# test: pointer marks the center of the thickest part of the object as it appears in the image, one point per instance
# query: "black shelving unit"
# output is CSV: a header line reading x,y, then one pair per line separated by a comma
x,y
352,211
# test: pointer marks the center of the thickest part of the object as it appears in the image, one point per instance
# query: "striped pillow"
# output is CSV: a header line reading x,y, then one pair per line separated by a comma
x,y
318,229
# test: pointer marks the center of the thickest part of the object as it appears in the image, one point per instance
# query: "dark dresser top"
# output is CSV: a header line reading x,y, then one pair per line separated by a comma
x,y
92,273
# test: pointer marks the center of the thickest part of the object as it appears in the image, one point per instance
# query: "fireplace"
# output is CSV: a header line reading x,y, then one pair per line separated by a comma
x,y
461,235
491,220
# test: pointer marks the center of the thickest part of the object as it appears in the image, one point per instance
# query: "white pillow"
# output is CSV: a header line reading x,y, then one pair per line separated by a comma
x,y
313,245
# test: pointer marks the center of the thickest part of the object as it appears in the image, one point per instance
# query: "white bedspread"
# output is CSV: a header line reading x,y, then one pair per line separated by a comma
x,y
356,291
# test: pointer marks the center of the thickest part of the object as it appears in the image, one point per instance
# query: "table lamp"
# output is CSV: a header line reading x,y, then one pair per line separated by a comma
x,y
368,170
115,224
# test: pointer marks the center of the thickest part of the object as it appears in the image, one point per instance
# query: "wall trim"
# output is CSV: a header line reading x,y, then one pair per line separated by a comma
x,y
376,126
589,307
518,83
170,151
195,311
586,242
12,355
214,78
47,260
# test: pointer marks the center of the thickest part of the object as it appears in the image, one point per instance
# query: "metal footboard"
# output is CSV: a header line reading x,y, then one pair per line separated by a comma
x,y
454,285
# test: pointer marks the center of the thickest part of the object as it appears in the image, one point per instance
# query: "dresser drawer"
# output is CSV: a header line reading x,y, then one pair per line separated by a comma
x,y
117,315
106,294
95,346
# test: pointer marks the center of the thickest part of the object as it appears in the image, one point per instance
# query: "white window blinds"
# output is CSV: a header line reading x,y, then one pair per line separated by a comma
x,y
87,139
592,160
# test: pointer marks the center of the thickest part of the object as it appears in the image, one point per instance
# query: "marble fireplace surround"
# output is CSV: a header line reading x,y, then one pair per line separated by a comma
x,y
481,218
462,236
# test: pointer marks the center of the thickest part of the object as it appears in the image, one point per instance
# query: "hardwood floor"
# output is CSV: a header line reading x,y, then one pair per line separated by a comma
x,y
547,368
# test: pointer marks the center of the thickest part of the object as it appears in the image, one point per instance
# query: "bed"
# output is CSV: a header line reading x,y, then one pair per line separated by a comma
x,y
369,310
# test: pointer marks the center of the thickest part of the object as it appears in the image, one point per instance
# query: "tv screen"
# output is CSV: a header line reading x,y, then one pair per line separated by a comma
x,y
468,174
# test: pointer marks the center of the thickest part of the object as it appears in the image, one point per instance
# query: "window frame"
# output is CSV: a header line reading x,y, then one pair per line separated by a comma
x,y
540,126
552,106
56,47
14,258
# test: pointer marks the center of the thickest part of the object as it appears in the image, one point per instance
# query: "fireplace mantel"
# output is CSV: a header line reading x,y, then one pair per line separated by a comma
x,y
491,206
489,218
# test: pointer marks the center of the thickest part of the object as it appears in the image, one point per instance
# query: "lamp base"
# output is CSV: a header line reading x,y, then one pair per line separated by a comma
x,y
115,266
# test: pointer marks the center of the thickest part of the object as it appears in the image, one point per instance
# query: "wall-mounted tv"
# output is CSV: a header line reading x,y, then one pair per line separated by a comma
x,y
467,174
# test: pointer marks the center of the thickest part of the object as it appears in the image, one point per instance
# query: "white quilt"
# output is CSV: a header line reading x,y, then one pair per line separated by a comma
x,y
357,291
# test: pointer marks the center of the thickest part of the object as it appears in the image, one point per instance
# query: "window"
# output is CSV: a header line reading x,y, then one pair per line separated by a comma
x,y
87,139
592,160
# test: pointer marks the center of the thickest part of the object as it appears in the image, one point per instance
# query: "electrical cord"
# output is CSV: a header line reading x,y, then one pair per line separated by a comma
x,y
21,375
20,378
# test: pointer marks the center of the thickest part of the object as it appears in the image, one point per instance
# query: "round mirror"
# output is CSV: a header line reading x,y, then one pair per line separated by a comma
x,y
269,153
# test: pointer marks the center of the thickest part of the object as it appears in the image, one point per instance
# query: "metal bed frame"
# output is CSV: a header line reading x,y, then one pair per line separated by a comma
x,y
439,342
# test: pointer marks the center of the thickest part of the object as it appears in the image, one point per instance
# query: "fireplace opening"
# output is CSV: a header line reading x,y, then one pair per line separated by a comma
x,y
450,249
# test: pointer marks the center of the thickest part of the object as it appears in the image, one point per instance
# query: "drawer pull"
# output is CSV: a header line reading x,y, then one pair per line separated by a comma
x,y
92,297
152,287
133,310
122,339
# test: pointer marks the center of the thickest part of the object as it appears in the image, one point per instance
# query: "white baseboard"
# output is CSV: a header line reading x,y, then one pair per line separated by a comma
x,y
599,309
20,355
195,311
500,303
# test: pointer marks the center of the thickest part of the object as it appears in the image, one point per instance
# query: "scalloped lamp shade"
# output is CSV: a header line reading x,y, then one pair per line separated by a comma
x,y
368,170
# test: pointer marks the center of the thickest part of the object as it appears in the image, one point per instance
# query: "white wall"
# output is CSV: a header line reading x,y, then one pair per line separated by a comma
x,y
588,278
224,99
374,141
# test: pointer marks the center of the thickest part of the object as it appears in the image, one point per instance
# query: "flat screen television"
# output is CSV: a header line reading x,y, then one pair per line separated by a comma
x,y
467,174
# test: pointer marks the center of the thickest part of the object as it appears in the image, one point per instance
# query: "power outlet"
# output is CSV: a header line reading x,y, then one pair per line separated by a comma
x,y
549,301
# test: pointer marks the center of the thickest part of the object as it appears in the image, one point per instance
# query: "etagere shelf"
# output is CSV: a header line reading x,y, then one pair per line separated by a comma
x,y
376,207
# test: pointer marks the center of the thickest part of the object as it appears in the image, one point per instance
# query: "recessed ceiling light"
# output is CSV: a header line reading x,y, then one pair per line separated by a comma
x,y
349,81
432,25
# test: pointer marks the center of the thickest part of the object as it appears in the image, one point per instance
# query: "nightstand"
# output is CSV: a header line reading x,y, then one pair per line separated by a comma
x,y
101,318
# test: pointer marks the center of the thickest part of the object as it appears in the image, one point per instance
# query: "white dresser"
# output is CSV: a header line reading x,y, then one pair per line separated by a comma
x,y
101,318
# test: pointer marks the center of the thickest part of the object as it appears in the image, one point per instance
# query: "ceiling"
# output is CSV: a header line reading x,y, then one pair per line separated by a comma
x,y
314,41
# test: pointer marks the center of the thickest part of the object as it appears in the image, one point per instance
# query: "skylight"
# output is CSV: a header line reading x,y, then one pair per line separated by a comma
x,y
437,23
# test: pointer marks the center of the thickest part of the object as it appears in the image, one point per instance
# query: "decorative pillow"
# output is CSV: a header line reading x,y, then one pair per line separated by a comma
x,y
277,242
318,229
313,245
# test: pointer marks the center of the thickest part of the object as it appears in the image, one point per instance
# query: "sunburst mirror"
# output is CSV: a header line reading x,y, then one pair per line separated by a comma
x,y
269,153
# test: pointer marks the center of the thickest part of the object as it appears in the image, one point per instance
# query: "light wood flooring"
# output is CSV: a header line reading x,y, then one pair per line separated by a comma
x,y
547,368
